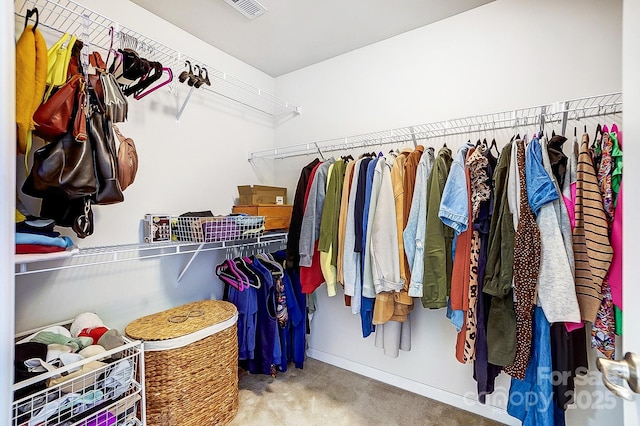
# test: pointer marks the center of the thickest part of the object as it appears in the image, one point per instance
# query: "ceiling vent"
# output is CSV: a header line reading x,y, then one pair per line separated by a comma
x,y
249,8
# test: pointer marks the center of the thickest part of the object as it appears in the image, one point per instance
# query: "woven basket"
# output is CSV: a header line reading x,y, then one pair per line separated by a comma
x,y
191,363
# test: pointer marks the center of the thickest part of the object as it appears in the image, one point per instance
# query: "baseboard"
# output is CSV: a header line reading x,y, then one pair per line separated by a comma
x,y
458,401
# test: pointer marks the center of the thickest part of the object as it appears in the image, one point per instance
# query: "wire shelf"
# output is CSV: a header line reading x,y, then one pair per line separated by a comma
x,y
271,241
66,16
559,112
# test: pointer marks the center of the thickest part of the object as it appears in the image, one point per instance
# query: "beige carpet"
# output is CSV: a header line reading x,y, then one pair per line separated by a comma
x,y
322,394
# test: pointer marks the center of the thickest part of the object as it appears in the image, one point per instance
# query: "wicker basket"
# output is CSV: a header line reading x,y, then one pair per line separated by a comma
x,y
191,362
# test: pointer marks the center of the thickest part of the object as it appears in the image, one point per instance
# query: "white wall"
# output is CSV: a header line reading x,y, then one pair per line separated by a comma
x,y
193,166
7,214
504,55
631,87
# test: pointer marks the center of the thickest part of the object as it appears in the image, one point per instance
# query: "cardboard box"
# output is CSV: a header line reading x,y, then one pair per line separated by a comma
x,y
276,217
260,194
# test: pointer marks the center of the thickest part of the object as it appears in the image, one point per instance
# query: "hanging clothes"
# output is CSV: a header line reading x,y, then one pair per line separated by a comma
x,y
530,397
294,344
310,228
368,293
526,267
484,373
397,178
264,360
603,335
556,285
408,185
415,230
501,321
328,240
385,263
591,246
372,191
293,237
247,303
438,238
310,272
454,212
393,326
351,256
402,303
342,225
615,272
479,192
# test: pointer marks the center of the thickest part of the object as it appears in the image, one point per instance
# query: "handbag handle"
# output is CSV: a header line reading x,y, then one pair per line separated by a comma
x,y
80,120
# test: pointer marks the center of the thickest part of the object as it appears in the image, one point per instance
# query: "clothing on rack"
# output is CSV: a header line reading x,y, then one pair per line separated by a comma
x,y
492,239
271,311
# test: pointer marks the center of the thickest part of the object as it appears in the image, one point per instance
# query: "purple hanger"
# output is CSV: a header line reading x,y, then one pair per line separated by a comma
x,y
153,89
244,280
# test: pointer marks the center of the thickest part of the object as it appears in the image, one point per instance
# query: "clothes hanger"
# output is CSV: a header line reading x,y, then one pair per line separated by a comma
x,y
153,74
30,13
202,80
153,89
110,45
184,74
596,141
193,78
231,276
272,265
252,277
494,144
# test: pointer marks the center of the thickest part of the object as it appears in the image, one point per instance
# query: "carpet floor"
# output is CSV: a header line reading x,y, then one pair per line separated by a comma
x,y
322,394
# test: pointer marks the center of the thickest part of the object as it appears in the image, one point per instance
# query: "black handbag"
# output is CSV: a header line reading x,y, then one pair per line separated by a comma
x,y
100,132
75,214
64,165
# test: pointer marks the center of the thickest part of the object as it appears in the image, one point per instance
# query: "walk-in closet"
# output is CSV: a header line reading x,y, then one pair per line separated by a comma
x,y
379,213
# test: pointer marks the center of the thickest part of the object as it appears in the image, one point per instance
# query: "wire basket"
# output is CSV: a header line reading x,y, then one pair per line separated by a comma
x,y
102,389
218,228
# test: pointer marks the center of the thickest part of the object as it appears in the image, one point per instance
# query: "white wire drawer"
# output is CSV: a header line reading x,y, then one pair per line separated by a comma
x,y
100,390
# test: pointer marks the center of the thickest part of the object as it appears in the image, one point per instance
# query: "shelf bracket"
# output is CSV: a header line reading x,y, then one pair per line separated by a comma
x,y
186,267
184,105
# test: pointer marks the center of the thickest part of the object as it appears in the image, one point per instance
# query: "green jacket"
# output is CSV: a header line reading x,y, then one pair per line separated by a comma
x,y
437,242
501,326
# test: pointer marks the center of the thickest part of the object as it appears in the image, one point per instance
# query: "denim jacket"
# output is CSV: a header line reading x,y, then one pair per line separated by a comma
x,y
540,188
454,206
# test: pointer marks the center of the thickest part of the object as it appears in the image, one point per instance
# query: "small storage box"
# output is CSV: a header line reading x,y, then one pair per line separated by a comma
x,y
261,194
191,362
276,217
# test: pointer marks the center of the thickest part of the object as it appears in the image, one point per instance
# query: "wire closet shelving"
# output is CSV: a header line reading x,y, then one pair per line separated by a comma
x,y
67,16
558,112
269,242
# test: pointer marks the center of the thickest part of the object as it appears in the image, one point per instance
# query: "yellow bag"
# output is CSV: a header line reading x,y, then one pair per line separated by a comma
x,y
58,57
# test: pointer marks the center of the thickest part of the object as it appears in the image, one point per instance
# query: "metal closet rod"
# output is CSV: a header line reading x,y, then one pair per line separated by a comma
x,y
559,112
67,16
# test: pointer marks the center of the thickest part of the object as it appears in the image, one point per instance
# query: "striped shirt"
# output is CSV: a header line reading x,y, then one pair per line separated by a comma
x,y
591,246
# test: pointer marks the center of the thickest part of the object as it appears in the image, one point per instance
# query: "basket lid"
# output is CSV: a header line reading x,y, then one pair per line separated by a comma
x,y
182,320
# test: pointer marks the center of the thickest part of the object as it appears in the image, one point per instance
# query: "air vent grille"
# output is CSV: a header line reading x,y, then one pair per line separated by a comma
x,y
249,8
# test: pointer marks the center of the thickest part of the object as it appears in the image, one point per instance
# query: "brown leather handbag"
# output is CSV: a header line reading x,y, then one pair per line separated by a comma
x,y
127,160
54,116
